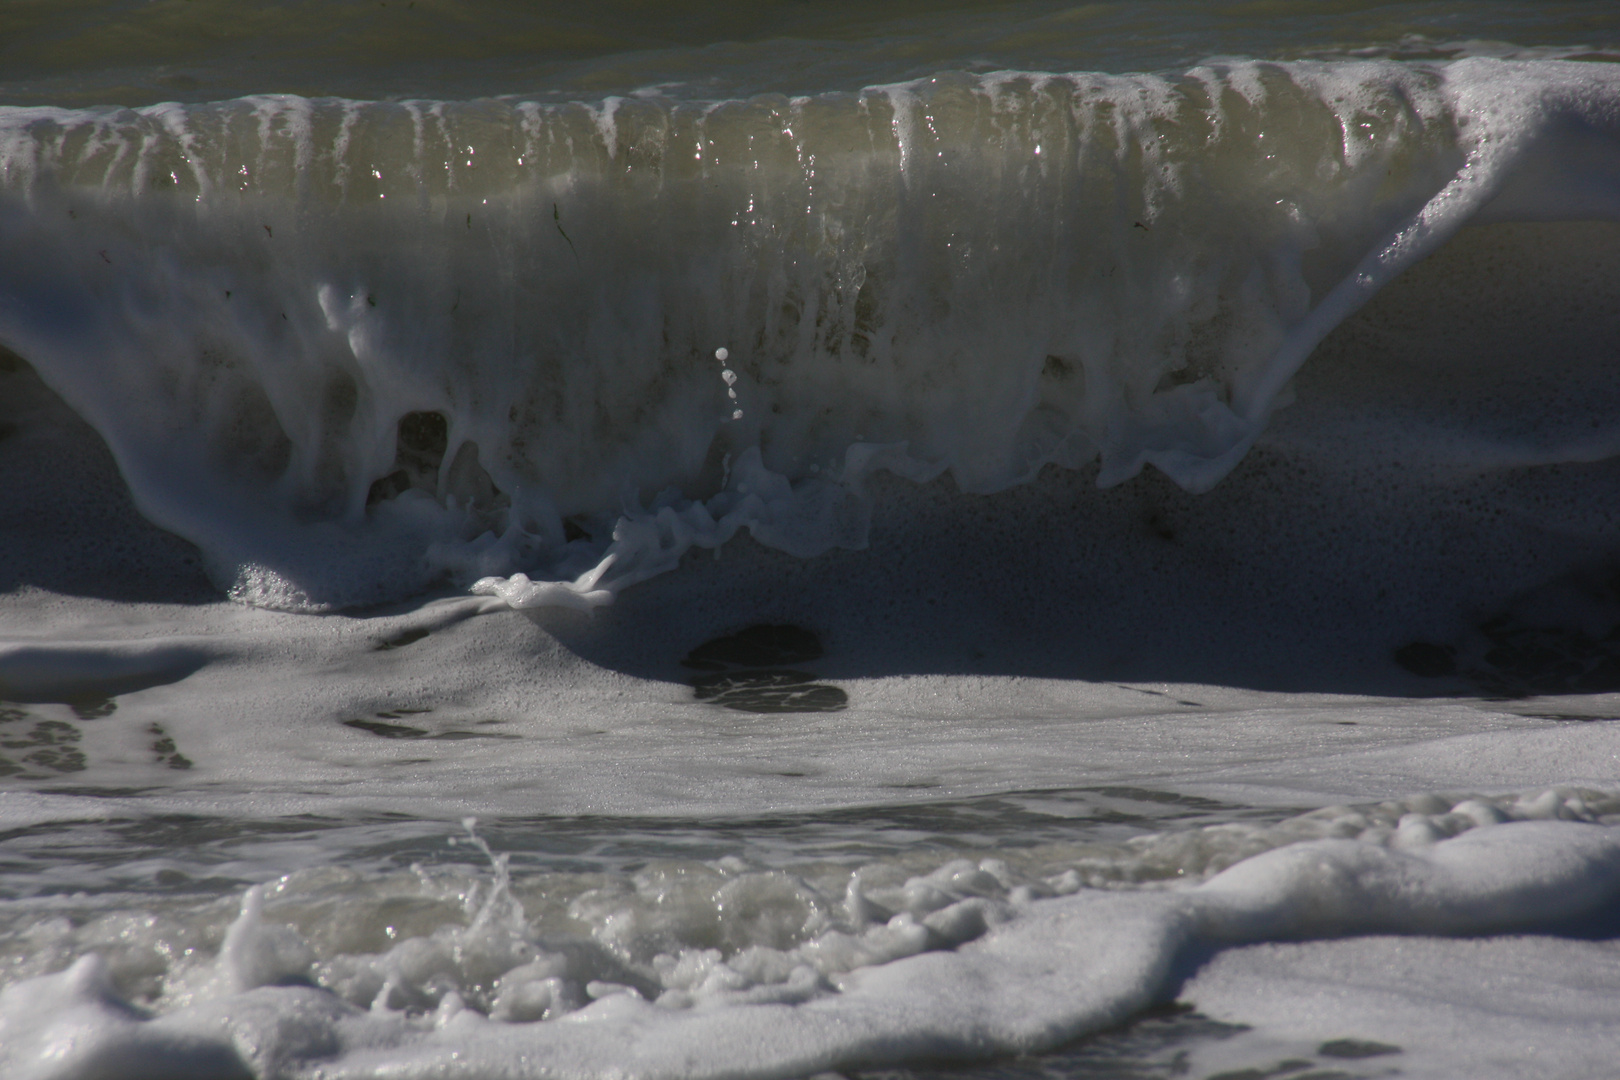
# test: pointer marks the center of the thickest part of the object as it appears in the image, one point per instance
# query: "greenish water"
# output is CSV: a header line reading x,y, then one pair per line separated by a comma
x,y
134,52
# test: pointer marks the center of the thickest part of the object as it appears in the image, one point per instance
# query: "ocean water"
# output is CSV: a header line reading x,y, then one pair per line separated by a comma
x,y
883,541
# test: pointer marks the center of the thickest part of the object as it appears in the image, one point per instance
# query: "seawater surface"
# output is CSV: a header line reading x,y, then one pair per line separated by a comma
x,y
891,540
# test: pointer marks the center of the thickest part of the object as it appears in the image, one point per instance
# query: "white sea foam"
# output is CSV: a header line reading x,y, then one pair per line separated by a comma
x,y
1432,1007
965,960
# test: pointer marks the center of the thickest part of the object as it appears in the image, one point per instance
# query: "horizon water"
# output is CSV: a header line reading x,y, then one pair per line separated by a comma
x,y
784,540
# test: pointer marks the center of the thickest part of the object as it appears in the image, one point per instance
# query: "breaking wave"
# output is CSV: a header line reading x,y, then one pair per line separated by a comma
x,y
352,348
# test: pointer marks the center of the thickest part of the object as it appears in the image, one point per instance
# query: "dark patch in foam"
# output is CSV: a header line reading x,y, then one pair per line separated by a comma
x,y
1354,1049
92,707
402,639
164,749
381,724
771,691
387,731
420,442
388,487
424,437
1298,1068
88,677
50,745
1151,1046
1160,693
1585,718
1057,367
762,685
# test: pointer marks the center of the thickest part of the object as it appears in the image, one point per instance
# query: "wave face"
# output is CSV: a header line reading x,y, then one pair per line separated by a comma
x,y
348,348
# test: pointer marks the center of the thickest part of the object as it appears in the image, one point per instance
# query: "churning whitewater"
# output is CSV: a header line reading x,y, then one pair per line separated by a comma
x,y
966,961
